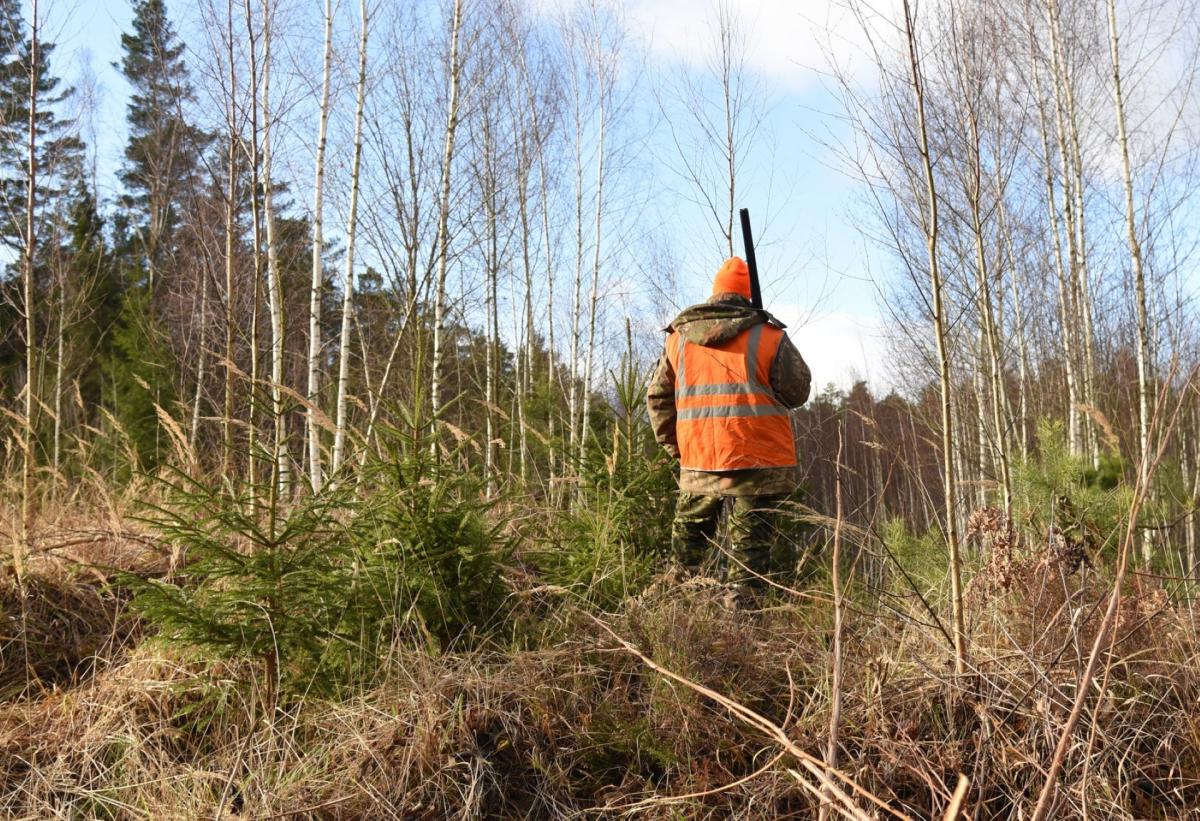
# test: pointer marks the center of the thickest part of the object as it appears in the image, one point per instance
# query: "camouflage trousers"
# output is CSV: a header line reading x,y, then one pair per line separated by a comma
x,y
752,526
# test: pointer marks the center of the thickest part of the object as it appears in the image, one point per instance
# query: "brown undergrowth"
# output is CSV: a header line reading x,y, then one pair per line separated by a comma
x,y
564,723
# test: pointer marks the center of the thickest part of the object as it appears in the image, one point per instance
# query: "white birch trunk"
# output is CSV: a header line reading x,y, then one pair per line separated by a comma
x,y
339,443
491,265
59,345
256,256
1069,286
981,435
939,327
230,230
577,293
27,505
1016,285
492,331
274,279
991,335
551,368
201,361
1072,161
594,297
1139,276
315,469
525,382
443,232
1193,519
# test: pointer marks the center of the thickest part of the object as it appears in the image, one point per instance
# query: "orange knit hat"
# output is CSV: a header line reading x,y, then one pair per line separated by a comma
x,y
733,278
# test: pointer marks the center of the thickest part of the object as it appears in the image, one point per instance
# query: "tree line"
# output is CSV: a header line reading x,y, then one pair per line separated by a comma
x,y
422,216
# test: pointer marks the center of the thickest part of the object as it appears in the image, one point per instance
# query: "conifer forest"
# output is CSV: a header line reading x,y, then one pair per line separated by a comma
x,y
328,488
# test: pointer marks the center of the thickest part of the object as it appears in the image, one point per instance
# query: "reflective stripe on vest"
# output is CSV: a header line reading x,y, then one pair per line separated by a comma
x,y
727,417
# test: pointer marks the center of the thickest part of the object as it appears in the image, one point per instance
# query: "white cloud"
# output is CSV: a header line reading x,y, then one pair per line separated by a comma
x,y
840,347
788,42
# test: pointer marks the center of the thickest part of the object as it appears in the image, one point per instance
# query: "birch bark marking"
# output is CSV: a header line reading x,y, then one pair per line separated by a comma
x,y
313,435
339,443
939,327
443,232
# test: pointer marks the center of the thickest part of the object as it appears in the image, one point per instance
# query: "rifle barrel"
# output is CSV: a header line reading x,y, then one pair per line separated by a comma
x,y
751,263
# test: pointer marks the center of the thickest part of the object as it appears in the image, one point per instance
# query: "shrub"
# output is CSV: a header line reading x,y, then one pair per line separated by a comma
x,y
427,553
321,587
921,560
1057,489
256,578
604,546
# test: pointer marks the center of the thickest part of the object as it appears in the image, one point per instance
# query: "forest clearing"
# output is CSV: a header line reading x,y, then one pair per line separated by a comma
x,y
353,466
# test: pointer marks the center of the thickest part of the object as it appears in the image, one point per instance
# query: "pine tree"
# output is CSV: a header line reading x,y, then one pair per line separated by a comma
x,y
162,157
58,150
137,376
161,178
57,153
95,278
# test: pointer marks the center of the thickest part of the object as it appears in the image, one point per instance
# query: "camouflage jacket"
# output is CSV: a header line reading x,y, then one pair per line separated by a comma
x,y
721,318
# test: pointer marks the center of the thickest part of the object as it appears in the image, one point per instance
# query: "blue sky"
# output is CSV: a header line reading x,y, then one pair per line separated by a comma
x,y
815,265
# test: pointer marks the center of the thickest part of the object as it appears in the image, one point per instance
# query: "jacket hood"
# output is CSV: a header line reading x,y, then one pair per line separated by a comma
x,y
720,319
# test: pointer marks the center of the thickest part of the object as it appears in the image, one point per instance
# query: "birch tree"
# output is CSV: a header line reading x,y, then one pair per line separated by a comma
x,y
714,117
28,306
971,51
231,196
274,279
339,444
454,70
594,43
931,229
315,472
1144,388
253,148
491,150
605,57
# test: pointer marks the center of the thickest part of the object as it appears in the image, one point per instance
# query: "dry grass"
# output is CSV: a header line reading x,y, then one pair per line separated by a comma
x,y
68,620
569,724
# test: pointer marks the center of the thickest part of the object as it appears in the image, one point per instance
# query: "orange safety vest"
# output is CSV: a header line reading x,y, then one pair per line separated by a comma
x,y
727,416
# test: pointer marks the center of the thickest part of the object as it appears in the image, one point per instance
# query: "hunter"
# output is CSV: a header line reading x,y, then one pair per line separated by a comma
x,y
719,402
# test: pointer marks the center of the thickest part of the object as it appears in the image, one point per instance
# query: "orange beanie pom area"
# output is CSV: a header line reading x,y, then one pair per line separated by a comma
x,y
733,278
